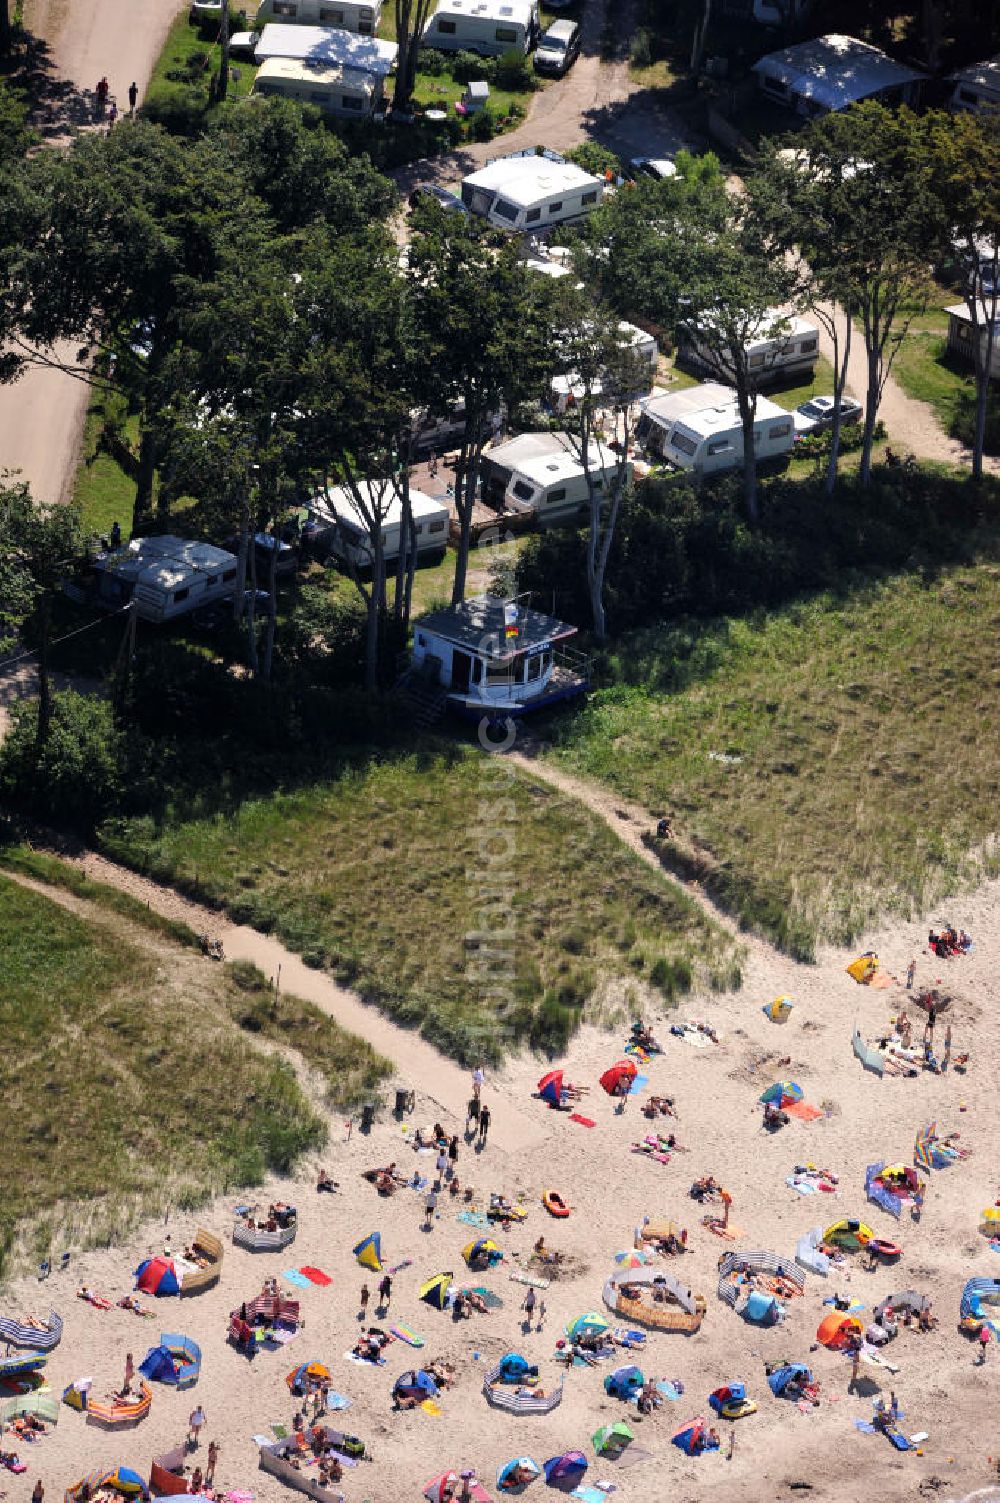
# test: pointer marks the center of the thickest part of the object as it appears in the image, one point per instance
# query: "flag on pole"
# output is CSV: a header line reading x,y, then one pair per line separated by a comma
x,y
510,619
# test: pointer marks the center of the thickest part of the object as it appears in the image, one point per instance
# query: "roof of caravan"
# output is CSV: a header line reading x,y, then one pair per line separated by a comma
x,y
521,11
338,502
167,560
705,409
514,453
333,74
524,180
835,70
984,76
961,312
773,324
546,458
326,45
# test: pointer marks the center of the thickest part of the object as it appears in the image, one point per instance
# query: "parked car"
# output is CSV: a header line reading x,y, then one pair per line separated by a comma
x,y
658,167
816,414
450,202
558,48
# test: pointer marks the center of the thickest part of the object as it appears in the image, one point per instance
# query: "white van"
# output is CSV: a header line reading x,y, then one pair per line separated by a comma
x,y
349,538
351,15
787,346
526,192
489,27
335,90
700,430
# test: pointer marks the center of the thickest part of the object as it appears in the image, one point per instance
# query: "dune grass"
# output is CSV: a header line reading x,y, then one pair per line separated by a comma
x,y
826,763
389,873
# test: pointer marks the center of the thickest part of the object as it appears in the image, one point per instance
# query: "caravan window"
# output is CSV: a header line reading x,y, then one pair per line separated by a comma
x,y
507,34
555,208
808,345
557,495
532,215
477,670
498,673
774,86
212,579
682,442
437,526
229,574
534,667
780,430
182,594
418,529
332,13
755,362
505,210
285,8
523,491
448,28
348,102
963,331
316,96
589,198
720,446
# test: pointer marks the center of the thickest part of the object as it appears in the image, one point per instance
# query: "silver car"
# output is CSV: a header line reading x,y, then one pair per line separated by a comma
x,y
558,48
817,414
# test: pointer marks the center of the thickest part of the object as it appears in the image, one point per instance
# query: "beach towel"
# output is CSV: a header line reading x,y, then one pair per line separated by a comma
x,y
421,1182
316,1276
474,1218
364,1361
337,1401
667,1389
527,1278
279,1336
430,1407
638,1084
490,1300
263,1440
292,1276
403,1333
589,1495
278,1430
864,1427
802,1110
583,1121
802,1186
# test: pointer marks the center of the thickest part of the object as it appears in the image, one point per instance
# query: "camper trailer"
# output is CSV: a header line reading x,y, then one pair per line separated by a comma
x,y
527,192
567,389
779,356
977,88
489,27
494,658
962,337
166,576
324,46
362,16
333,89
699,430
542,474
348,536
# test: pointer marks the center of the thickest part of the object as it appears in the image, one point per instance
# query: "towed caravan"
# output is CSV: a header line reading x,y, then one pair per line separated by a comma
x,y
362,16
334,89
784,346
543,473
326,46
700,429
166,576
525,192
489,27
347,533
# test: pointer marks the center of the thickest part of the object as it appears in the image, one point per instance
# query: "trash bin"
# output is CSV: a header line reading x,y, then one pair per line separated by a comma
x,y
367,1116
405,1102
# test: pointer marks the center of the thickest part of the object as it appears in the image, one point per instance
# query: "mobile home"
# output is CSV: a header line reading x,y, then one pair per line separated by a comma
x,y
166,576
489,27
787,347
699,430
961,337
494,658
335,90
526,192
349,538
977,88
567,389
325,46
543,474
362,16
833,72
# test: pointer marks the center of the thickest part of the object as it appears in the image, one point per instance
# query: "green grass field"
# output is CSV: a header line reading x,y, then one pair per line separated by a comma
x,y
924,370
102,490
824,763
376,874
126,1056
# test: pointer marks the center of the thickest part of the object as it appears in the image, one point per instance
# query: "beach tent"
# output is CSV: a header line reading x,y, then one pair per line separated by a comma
x,y
515,1369
619,1078
566,1470
369,1252
906,1299
808,1255
779,1010
693,1438
589,1324
482,1250
550,1088
976,1294
435,1291
158,1365
415,1384
848,1234
781,1093
157,1276
863,969
624,1382
124,1480
300,1377
837,1329
612,1439
517,1472
730,1401
762,1309
38,1404
439,1489
779,1380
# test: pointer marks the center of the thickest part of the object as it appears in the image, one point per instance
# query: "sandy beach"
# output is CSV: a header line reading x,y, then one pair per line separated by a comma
x,y
940,1387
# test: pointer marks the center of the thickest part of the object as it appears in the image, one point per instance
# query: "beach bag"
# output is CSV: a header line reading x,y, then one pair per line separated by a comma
x,y
352,1446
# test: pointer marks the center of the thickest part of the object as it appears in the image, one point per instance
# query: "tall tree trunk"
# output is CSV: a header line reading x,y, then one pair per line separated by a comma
x,y
224,53
44,684
142,508
700,37
871,411
840,365
747,402
272,613
376,605
5,28
466,478
252,603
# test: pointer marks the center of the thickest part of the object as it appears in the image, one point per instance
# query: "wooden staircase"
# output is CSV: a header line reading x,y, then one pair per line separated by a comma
x,y
423,700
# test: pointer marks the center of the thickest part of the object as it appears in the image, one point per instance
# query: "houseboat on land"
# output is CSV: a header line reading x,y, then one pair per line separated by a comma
x,y
495,658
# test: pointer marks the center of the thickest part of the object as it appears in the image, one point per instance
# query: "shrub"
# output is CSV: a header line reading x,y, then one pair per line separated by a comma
x,y
514,72
484,126
640,50
181,112
75,778
963,423
466,66
595,158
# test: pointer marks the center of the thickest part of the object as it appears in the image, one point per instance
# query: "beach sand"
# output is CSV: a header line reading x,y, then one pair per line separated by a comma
x,y
939,1386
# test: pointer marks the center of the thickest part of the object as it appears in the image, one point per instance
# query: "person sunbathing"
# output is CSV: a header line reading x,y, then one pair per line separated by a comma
x,y
324,1182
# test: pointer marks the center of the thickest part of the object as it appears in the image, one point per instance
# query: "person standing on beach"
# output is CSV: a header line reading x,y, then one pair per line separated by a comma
x,y
213,1445
365,1297
484,1125
440,1165
430,1206
385,1292
478,1080
133,95
196,1422
453,1156
129,1373
37,1492
984,1341
911,971
528,1306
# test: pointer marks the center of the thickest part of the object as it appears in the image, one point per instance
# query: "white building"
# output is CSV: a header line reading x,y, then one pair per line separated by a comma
x,y
488,27
700,430
829,73
543,474
349,537
494,658
961,337
350,15
325,46
166,576
977,87
348,92
526,192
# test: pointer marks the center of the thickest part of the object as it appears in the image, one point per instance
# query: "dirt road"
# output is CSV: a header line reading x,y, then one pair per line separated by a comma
x,y
41,416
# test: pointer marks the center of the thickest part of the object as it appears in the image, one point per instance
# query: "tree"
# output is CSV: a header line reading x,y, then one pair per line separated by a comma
x,y
865,213
692,258
6,30
490,325
411,18
75,777
960,154
40,545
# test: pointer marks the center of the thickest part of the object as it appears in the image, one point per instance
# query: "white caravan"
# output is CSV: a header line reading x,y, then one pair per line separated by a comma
x,y
567,389
526,192
326,47
349,537
790,350
542,474
334,90
489,27
699,429
166,576
350,15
